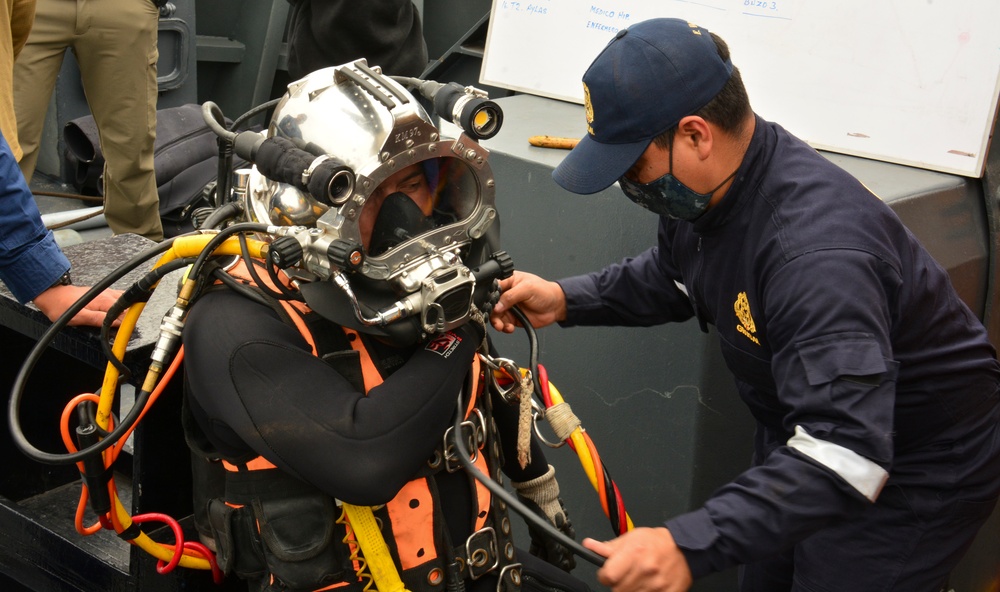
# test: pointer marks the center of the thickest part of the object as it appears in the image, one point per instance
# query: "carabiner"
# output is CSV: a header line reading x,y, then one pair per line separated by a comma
x,y
512,393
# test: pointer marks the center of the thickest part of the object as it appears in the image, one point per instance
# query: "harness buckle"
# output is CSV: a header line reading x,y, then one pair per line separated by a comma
x,y
509,578
481,552
474,433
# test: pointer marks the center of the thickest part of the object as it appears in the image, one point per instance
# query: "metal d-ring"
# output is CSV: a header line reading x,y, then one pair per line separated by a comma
x,y
537,411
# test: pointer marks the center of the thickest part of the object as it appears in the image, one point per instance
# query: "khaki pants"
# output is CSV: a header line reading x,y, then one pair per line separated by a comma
x,y
15,23
115,44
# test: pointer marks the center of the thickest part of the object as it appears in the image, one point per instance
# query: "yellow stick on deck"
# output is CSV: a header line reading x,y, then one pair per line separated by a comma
x,y
553,142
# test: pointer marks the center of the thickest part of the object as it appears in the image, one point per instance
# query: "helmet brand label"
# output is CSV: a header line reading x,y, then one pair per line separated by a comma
x,y
444,344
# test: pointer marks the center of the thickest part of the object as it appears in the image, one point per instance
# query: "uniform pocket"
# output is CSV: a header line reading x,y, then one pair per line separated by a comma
x,y
852,356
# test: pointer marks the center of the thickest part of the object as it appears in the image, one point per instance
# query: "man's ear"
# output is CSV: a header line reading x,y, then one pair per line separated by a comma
x,y
695,132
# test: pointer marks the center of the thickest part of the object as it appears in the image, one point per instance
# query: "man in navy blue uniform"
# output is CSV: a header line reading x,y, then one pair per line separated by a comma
x,y
874,388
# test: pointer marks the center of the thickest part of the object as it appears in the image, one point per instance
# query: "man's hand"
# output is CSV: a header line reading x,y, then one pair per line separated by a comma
x,y
54,302
643,559
542,301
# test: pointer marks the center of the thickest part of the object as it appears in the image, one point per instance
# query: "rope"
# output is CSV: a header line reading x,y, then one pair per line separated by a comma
x,y
526,387
524,421
562,420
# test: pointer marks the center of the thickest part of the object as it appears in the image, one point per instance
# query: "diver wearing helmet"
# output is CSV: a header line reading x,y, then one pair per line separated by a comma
x,y
311,406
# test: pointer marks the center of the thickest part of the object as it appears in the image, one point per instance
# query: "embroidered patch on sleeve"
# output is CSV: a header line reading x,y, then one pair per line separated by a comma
x,y
746,326
444,344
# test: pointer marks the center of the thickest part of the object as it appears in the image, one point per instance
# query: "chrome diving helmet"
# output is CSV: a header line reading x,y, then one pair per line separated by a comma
x,y
402,241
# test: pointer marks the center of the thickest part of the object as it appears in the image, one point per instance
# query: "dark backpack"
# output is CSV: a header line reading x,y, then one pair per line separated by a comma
x,y
185,160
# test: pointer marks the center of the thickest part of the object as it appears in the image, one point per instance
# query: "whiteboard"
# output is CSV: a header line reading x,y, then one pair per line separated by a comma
x,y
913,82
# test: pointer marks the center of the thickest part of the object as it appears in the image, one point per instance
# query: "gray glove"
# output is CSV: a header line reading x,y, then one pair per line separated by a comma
x,y
541,494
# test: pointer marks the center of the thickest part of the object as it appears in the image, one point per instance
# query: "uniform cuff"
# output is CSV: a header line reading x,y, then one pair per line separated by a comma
x,y
579,290
696,536
35,270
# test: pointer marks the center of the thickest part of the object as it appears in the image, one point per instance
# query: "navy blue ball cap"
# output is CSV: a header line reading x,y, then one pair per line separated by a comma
x,y
648,77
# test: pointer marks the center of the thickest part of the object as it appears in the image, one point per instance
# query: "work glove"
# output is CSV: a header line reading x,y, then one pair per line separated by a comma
x,y
541,495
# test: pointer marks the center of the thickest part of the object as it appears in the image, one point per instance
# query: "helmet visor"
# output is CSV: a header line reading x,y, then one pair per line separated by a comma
x,y
415,202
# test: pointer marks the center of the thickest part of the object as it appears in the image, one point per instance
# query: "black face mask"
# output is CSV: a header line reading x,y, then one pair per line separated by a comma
x,y
399,220
669,197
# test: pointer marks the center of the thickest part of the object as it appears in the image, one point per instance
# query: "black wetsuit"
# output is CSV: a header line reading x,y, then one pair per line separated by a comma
x,y
255,388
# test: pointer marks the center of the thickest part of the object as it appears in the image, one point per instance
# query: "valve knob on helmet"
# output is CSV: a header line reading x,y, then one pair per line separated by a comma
x,y
285,252
506,264
345,255
488,275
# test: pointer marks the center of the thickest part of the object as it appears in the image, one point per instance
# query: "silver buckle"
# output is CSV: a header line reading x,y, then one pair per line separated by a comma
x,y
475,437
478,552
514,571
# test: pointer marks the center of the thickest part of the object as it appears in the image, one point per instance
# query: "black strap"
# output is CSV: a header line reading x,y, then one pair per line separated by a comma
x,y
499,516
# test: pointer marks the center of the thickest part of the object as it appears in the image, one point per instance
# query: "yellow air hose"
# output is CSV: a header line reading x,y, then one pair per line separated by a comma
x,y
184,246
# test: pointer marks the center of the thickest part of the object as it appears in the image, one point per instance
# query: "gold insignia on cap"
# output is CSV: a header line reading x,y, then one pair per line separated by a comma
x,y
588,108
695,28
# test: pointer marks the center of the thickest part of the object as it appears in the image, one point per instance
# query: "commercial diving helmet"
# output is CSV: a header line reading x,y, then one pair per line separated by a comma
x,y
400,237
